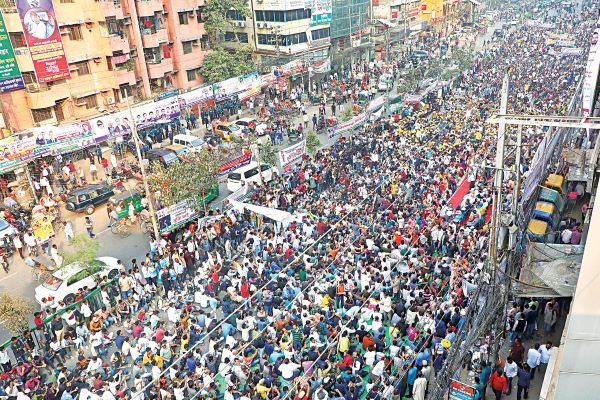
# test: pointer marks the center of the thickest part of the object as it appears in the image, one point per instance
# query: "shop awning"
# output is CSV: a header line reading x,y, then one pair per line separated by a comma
x,y
190,39
475,2
185,10
386,23
550,270
80,95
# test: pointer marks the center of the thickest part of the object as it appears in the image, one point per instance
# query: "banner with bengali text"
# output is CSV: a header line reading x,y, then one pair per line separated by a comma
x,y
42,35
10,76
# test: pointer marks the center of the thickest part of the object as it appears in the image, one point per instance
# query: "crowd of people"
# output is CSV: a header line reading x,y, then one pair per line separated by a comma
x,y
359,296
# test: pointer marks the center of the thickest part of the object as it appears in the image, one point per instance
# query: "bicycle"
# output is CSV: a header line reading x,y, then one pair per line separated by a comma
x,y
121,228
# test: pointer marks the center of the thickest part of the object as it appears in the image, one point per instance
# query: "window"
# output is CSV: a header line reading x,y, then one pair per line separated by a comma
x,y
241,36
112,26
284,40
28,77
17,40
74,32
125,91
90,101
187,47
191,75
67,1
41,114
83,68
235,15
283,16
320,34
58,111
183,18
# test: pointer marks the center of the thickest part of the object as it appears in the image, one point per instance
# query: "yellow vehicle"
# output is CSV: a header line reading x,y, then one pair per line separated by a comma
x,y
556,182
228,130
539,231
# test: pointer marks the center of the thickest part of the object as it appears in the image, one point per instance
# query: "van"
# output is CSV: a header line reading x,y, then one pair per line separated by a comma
x,y
249,174
178,149
164,156
191,142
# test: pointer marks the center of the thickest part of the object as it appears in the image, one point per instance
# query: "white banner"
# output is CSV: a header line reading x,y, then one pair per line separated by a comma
x,y
244,87
591,72
196,96
290,154
566,51
157,112
272,213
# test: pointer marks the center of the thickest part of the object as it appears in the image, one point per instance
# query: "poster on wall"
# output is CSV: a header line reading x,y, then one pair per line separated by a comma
x,y
43,141
290,154
162,111
591,72
320,10
110,126
10,76
43,39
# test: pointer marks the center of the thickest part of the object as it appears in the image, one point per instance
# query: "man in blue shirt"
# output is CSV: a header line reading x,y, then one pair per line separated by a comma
x,y
484,376
412,376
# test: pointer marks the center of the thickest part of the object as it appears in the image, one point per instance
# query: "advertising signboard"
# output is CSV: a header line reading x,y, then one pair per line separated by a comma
x,y
43,39
10,76
157,112
290,154
196,96
110,126
460,391
244,87
320,10
591,72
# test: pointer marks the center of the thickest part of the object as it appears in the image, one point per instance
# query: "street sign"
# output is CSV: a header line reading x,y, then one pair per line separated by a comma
x,y
461,391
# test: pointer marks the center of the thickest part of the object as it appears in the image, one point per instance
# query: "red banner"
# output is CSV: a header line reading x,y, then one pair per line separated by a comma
x,y
43,39
236,163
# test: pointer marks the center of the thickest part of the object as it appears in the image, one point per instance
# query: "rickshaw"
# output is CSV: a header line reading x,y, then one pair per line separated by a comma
x,y
546,212
538,231
122,200
556,182
552,196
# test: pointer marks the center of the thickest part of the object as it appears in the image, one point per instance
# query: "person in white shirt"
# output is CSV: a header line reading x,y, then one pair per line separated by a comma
x,y
545,351
289,370
377,370
510,369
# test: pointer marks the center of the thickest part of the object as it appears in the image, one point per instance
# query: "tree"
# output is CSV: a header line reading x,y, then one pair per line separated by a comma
x,y
268,153
15,312
84,250
216,22
347,114
312,142
190,179
219,64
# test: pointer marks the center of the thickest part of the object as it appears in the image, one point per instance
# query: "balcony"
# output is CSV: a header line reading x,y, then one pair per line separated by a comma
x,y
125,76
154,38
147,8
42,96
119,43
185,4
158,69
112,8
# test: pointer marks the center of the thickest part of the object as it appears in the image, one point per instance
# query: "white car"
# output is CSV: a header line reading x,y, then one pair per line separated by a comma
x,y
259,127
249,174
65,282
191,142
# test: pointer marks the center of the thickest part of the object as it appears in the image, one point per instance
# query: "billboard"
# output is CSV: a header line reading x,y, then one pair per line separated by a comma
x,y
110,126
43,141
43,39
591,72
460,391
196,96
10,76
320,10
244,87
290,154
157,112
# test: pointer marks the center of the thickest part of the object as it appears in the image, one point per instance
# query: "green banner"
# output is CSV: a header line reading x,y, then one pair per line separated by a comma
x,y
10,76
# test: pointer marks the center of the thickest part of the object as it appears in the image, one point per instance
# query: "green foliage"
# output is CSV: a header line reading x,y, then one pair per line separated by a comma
x,y
219,65
312,142
84,250
408,83
215,16
14,312
268,153
347,114
191,178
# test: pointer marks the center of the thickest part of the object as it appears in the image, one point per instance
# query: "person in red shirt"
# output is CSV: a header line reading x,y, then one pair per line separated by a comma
x,y
368,343
346,363
498,383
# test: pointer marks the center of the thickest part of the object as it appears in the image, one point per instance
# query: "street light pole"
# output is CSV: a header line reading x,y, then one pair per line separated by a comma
x,y
136,140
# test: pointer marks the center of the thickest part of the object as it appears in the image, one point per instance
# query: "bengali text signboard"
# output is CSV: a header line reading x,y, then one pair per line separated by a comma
x,y
10,76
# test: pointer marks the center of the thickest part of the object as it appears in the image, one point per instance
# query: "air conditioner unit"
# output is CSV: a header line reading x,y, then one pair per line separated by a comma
x,y
196,43
32,87
241,24
267,25
109,101
259,1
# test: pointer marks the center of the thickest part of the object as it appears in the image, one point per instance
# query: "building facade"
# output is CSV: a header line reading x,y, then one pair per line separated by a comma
x,y
279,31
351,31
114,49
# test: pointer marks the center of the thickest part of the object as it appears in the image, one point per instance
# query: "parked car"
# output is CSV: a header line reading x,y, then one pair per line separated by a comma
x,y
228,130
66,281
88,198
191,142
258,127
163,156
249,174
178,149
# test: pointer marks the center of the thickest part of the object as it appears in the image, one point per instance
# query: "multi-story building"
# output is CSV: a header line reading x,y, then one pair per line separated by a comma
x,y
351,30
279,31
114,49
